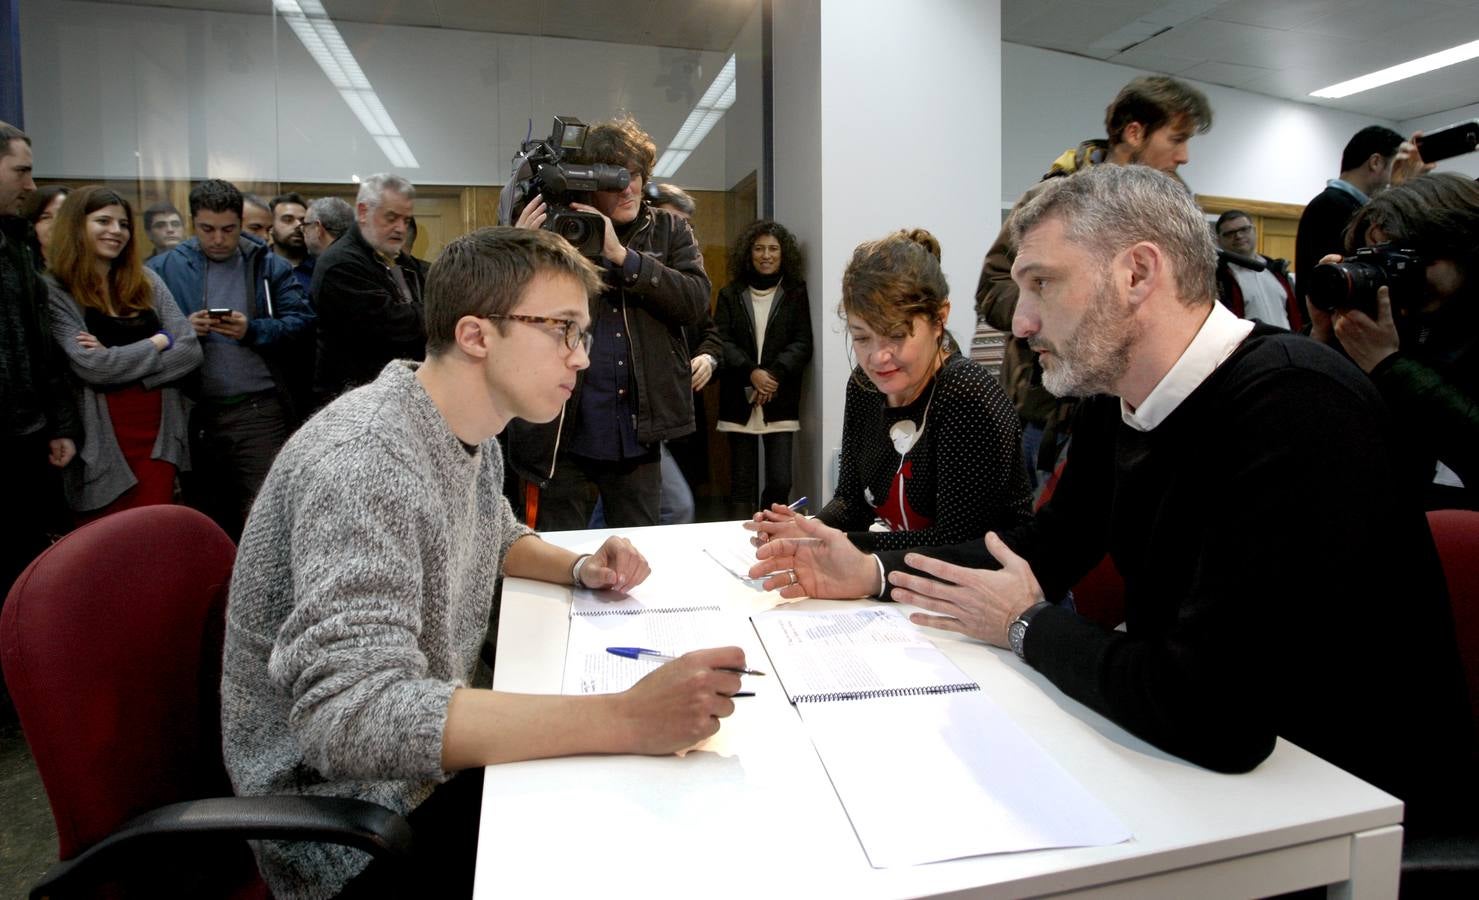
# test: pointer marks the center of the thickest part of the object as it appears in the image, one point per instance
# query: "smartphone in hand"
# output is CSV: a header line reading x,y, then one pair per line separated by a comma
x,y
1449,141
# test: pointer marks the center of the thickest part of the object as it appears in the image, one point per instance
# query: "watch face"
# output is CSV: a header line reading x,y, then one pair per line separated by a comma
x,y
1015,632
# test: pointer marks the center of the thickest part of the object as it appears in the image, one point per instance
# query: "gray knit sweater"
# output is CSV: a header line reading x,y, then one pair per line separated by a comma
x,y
361,596
100,473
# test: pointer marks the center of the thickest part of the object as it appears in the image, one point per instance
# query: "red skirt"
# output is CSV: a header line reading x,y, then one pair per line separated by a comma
x,y
135,414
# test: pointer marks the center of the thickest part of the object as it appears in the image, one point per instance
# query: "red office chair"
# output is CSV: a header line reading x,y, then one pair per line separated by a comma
x,y
111,643
1456,532
1447,865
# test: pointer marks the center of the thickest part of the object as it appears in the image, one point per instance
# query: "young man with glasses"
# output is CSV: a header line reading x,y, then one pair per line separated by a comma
x,y
638,391
365,584
1250,284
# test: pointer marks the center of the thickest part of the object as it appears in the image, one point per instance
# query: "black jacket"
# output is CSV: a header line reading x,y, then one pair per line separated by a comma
x,y
786,352
48,375
1230,294
669,293
1259,598
362,321
1321,231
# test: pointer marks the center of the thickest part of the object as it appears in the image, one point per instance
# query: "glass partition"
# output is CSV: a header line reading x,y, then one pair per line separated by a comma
x,y
152,96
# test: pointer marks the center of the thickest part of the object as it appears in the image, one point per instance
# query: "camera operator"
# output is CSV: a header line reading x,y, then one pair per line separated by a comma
x,y
1419,347
638,390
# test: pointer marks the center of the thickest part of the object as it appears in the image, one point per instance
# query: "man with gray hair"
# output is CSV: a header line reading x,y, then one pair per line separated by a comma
x,y
367,292
328,219
1240,479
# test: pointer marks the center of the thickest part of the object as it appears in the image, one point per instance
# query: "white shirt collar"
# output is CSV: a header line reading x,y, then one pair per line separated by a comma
x,y
1215,341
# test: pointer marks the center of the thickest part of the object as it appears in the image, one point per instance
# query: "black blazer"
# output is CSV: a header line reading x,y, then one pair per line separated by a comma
x,y
786,352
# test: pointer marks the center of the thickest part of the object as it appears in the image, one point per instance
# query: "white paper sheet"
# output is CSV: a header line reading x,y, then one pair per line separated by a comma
x,y
945,776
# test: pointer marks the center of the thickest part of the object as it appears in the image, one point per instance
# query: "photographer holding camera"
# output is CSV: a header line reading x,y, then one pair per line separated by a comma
x,y
1403,309
638,390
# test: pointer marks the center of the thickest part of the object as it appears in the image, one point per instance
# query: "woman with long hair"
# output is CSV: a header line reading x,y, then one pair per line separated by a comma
x,y
930,443
764,325
40,210
128,346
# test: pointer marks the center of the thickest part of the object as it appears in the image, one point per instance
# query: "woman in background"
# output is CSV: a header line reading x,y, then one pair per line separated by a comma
x,y
930,443
40,210
128,345
764,326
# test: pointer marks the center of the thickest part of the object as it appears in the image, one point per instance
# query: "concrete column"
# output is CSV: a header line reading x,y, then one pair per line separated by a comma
x,y
887,115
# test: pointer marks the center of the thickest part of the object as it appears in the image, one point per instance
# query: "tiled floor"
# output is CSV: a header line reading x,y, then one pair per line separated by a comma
x,y
27,833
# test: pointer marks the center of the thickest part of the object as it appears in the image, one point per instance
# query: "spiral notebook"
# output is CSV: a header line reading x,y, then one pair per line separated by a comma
x,y
595,624
855,655
927,767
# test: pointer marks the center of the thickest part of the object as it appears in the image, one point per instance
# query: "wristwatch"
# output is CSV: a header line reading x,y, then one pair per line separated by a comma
x,y
1017,631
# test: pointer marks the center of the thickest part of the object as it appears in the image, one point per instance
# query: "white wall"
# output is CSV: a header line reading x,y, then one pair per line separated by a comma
x,y
120,90
1468,164
1259,148
861,124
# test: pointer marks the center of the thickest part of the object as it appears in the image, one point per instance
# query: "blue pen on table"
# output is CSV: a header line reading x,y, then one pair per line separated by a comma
x,y
639,653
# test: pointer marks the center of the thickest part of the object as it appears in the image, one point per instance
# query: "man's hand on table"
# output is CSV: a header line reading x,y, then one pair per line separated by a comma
x,y
616,566
680,703
978,603
813,560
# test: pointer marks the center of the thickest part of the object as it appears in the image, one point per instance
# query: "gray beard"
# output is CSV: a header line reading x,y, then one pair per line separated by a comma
x,y
1095,357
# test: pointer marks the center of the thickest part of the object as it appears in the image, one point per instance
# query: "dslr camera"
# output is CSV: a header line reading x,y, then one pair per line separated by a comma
x,y
541,168
1352,282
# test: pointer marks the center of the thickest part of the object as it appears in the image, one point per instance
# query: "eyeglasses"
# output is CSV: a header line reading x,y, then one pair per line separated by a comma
x,y
1238,232
307,222
570,331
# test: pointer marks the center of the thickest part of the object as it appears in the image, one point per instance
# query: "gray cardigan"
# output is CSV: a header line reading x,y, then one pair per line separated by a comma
x,y
100,473
360,600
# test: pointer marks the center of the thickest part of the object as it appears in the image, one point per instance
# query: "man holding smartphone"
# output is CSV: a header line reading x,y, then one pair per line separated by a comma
x,y
250,314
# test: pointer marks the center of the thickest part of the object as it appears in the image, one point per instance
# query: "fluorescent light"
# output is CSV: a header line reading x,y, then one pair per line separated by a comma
x,y
1451,56
321,38
701,120
671,160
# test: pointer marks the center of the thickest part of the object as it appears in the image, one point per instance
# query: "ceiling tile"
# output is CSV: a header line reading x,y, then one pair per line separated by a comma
x,y
1281,14
1228,74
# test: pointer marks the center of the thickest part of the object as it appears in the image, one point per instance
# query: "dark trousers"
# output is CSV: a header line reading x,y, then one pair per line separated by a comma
x,y
630,492
33,509
744,468
232,446
444,851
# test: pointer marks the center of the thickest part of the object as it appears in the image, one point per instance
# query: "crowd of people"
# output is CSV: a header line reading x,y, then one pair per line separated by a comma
x,y
383,435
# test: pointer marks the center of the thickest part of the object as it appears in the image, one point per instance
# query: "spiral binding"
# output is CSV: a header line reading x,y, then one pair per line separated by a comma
x,y
642,611
887,692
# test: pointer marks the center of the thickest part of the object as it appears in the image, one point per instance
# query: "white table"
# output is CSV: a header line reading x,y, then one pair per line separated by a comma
x,y
758,819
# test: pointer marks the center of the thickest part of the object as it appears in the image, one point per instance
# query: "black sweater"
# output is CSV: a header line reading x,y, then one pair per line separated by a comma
x,y
1278,579
965,472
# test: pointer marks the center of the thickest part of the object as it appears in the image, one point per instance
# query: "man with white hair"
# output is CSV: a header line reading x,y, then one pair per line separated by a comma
x,y
1280,580
367,292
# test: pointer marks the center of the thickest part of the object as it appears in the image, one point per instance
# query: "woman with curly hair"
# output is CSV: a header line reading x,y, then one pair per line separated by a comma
x,y
764,326
930,443
128,345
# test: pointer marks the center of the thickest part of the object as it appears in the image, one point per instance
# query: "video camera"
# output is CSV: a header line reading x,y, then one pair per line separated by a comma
x,y
539,168
1352,282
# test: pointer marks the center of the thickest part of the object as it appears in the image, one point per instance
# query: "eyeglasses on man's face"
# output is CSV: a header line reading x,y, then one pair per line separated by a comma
x,y
1238,232
570,331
